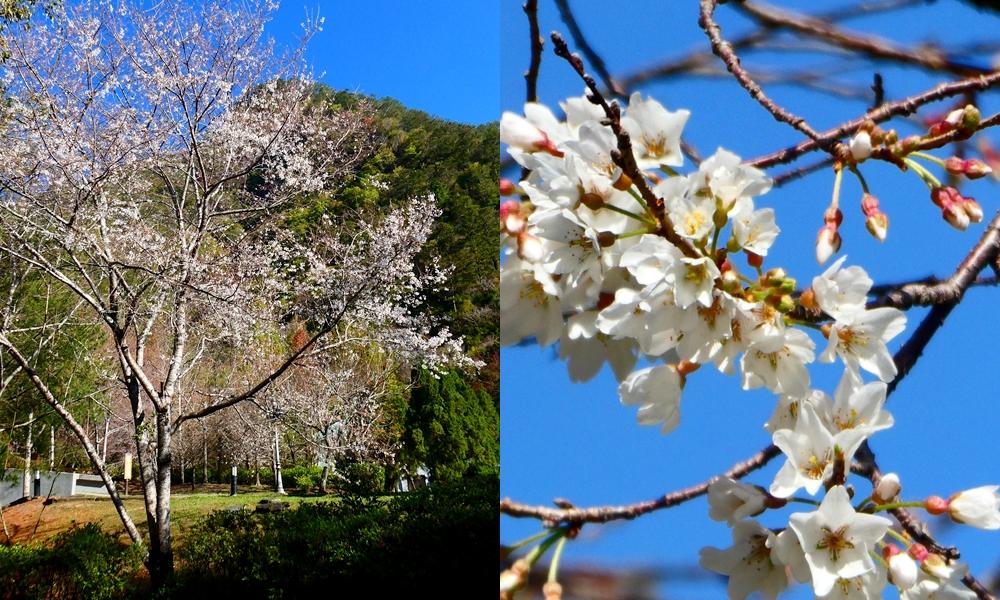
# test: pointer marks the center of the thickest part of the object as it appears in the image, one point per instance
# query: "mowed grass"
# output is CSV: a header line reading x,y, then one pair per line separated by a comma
x,y
34,521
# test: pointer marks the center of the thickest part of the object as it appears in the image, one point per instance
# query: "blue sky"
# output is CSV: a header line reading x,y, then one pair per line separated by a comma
x,y
434,55
576,441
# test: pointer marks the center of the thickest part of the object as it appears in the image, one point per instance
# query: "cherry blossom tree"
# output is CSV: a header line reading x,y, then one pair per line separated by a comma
x,y
622,252
148,154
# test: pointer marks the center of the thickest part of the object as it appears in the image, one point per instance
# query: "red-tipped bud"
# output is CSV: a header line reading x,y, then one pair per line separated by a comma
x,y
507,187
754,260
971,168
918,552
941,128
936,505
726,266
952,209
511,219
869,205
890,550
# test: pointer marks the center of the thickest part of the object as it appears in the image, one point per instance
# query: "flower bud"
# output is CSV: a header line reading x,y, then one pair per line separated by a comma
x,y
514,577
507,187
529,247
936,565
786,304
972,209
606,239
827,243
902,570
918,552
876,221
887,489
978,507
971,168
552,590
511,219
878,226
861,146
956,217
970,119
754,260
936,505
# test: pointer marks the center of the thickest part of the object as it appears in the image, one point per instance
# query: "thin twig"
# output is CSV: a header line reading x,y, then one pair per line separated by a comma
x,y
724,50
531,75
905,106
595,59
603,514
871,46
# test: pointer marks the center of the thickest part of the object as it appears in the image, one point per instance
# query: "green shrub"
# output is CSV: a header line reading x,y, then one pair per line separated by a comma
x,y
302,477
440,535
363,477
84,562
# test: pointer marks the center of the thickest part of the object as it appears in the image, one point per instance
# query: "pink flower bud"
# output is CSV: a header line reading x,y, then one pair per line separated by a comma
x,y
936,505
918,552
507,187
971,168
511,219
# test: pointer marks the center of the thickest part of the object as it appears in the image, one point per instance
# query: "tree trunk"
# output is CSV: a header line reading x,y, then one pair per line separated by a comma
x,y
323,477
26,483
256,468
104,441
52,447
278,486
204,447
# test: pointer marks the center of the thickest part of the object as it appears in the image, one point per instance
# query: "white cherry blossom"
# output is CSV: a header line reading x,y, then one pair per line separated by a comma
x,y
657,392
732,501
749,563
655,132
810,452
837,540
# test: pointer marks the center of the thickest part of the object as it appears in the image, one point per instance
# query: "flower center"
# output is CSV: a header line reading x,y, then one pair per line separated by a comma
x,y
816,466
834,542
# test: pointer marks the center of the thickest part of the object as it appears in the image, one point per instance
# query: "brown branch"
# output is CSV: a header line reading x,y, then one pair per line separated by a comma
x,y
871,46
695,60
603,514
531,75
624,157
724,50
905,106
593,57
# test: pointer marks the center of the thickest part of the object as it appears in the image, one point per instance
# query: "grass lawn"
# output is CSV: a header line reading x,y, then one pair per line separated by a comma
x,y
35,521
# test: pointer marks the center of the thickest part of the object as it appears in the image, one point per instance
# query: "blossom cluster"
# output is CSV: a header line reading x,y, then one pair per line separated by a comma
x,y
620,262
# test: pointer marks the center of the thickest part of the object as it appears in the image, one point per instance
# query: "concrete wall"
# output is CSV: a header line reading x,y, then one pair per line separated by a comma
x,y
52,483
